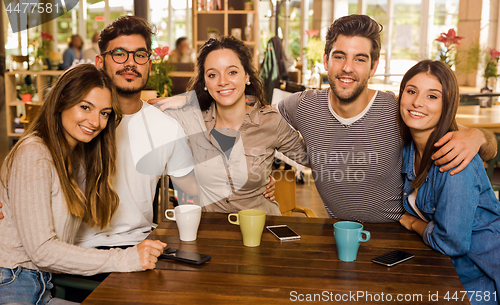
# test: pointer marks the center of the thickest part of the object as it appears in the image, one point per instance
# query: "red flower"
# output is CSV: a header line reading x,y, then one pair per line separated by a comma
x,y
450,38
46,36
495,54
161,52
311,33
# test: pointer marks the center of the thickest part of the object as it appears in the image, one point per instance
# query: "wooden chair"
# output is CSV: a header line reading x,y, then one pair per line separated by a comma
x,y
285,194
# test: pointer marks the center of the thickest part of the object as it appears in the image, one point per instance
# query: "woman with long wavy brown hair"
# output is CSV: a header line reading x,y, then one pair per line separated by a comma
x,y
457,215
56,176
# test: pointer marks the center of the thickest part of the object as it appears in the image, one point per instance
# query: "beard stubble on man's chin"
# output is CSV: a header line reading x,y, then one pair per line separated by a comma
x,y
127,91
351,98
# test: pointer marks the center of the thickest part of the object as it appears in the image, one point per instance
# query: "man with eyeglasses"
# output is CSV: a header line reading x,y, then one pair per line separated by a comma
x,y
125,47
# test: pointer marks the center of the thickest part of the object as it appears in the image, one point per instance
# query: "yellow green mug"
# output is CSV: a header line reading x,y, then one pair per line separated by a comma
x,y
251,224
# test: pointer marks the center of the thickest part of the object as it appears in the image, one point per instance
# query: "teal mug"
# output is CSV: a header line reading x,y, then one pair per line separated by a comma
x,y
348,235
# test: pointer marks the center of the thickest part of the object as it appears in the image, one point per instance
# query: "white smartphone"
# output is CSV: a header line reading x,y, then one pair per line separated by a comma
x,y
392,258
283,233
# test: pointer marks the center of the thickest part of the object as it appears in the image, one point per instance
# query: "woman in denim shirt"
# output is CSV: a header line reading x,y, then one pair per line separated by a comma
x,y
457,215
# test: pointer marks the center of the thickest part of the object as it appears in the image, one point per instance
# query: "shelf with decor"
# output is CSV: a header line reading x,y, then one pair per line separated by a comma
x,y
15,107
232,18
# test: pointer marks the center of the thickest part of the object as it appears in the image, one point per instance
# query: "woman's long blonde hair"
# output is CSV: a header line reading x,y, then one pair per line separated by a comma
x,y
97,158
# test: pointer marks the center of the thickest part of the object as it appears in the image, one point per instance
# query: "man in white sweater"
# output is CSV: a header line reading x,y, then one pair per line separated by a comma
x,y
125,47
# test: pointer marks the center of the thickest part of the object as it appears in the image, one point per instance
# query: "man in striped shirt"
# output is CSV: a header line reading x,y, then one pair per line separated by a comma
x,y
352,134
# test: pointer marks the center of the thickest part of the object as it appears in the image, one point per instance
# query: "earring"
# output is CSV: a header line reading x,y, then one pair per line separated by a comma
x,y
248,83
205,89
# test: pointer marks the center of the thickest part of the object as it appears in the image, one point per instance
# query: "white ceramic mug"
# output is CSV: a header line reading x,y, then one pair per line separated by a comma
x,y
187,217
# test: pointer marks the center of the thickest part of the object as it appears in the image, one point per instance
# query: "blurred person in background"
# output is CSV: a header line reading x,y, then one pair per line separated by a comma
x,y
183,53
73,52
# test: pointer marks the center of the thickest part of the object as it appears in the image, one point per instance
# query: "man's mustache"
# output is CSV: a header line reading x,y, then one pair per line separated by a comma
x,y
351,75
129,69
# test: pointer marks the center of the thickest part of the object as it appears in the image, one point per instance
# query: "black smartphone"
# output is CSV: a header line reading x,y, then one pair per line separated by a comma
x,y
392,258
283,232
184,256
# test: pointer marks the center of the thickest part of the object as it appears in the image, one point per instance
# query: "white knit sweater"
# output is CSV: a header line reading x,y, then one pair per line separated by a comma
x,y
38,230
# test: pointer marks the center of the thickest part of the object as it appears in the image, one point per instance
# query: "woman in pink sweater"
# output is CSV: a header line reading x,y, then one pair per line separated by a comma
x,y
55,177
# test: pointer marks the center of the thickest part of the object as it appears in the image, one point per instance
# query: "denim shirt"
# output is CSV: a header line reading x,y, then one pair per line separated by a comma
x,y
460,208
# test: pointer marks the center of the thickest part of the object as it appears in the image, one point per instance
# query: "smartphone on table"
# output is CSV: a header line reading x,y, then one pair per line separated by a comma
x,y
393,258
184,256
283,233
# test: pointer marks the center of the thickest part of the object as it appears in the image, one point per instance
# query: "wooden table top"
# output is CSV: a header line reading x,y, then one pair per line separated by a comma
x,y
473,116
278,273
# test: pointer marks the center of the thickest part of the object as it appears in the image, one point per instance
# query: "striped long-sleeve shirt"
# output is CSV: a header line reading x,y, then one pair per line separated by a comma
x,y
356,167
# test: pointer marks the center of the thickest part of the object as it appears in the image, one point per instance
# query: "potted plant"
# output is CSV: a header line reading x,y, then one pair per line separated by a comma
x,y
248,5
160,69
212,32
27,92
42,49
490,70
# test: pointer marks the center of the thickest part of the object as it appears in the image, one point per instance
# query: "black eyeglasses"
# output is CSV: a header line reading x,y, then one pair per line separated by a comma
x,y
120,56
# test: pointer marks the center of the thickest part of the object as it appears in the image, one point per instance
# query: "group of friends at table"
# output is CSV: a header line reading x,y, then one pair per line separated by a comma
x,y
77,188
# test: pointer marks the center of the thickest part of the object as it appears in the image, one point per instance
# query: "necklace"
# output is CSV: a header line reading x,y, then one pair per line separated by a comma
x,y
224,128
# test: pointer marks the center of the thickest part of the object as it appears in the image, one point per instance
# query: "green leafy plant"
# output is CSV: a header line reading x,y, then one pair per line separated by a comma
x,y
43,45
160,69
468,58
27,89
213,30
248,5
314,48
491,60
295,48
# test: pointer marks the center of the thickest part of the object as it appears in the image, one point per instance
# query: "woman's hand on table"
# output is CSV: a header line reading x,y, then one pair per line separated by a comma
x,y
269,192
174,102
407,220
149,250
